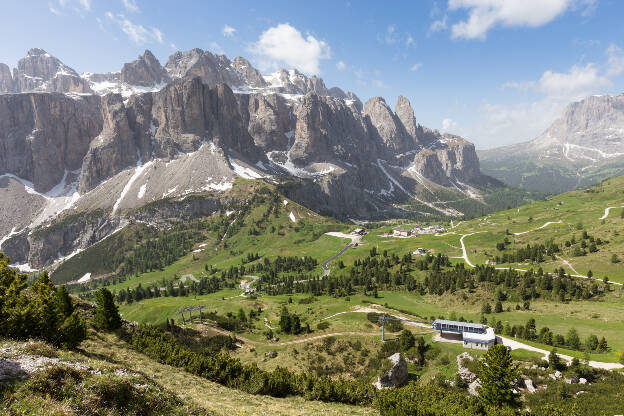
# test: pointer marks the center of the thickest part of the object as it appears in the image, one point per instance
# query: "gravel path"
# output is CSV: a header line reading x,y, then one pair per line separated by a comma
x,y
606,212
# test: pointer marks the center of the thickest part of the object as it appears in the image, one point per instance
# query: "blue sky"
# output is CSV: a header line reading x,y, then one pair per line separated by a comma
x,y
493,71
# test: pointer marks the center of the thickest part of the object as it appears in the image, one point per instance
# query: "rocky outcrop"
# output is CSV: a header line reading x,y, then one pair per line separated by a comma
x,y
6,79
212,69
405,113
457,161
249,75
269,120
146,71
397,376
40,71
388,125
347,96
44,135
113,150
328,129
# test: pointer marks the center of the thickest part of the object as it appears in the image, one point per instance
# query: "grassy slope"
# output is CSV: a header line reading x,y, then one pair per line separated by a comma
x,y
603,317
107,353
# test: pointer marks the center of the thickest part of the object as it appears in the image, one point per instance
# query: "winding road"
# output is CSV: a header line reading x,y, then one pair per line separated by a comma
x,y
465,254
355,239
606,213
539,228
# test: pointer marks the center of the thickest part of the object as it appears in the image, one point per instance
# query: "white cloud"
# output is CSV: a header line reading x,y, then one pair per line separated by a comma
x,y
575,84
448,124
77,6
391,36
526,120
416,66
130,6
341,65
484,15
137,33
438,25
228,31
284,44
380,84
615,62
409,41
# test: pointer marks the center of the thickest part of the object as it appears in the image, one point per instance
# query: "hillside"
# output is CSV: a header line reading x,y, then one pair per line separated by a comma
x,y
271,244
581,148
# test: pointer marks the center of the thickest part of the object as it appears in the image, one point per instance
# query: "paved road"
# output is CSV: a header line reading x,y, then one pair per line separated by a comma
x,y
325,268
514,345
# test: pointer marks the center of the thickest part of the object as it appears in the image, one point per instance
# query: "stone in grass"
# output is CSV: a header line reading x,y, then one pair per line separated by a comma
x,y
397,376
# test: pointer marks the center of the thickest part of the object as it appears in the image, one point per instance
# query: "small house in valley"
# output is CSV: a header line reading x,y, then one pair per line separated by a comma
x,y
402,232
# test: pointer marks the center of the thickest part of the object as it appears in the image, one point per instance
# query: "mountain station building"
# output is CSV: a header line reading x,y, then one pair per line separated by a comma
x,y
477,336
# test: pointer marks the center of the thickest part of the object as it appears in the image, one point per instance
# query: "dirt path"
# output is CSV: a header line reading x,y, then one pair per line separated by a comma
x,y
606,212
295,341
364,309
539,228
465,254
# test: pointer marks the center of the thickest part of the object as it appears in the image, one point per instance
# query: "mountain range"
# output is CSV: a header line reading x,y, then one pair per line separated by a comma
x,y
82,155
583,146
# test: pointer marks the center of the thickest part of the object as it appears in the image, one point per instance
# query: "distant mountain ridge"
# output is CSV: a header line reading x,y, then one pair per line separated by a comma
x,y
86,152
582,147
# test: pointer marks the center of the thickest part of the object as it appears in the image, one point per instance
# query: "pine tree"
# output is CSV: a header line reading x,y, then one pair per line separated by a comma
x,y
406,340
498,374
73,331
498,308
64,303
554,361
106,312
602,345
572,339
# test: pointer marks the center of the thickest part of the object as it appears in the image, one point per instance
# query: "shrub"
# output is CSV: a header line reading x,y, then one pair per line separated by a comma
x,y
106,312
40,311
322,325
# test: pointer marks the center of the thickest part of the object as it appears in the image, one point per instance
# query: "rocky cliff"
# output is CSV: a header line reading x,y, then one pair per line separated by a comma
x,y
86,163
146,71
40,71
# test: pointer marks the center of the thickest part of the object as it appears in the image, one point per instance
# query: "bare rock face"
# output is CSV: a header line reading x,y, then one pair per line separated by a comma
x,y
146,71
40,71
269,120
114,148
388,125
405,113
456,161
212,69
6,79
397,376
249,75
328,129
44,135
347,96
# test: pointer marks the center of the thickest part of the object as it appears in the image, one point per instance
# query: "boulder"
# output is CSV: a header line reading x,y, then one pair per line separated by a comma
x,y
466,375
397,375
528,383
472,388
582,380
